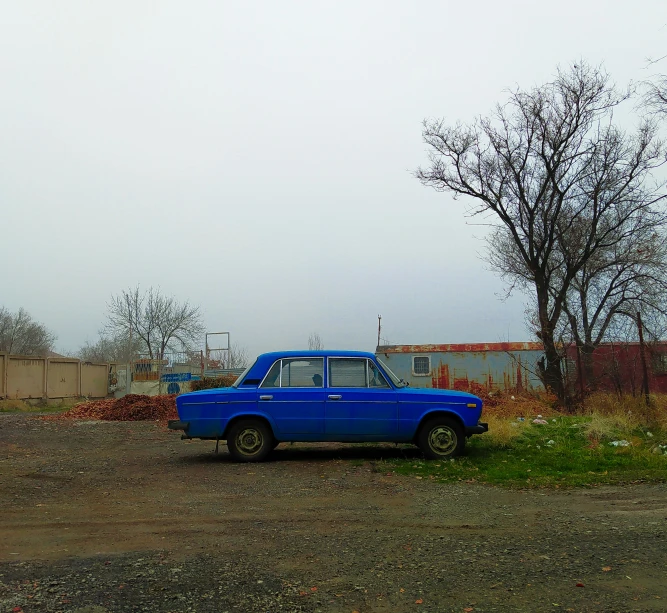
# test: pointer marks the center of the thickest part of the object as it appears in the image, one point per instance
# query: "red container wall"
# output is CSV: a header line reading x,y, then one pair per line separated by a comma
x,y
618,368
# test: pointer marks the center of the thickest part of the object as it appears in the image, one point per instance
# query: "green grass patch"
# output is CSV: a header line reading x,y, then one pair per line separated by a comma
x,y
566,452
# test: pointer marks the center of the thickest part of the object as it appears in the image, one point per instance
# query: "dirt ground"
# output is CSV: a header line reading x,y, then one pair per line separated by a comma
x,y
124,516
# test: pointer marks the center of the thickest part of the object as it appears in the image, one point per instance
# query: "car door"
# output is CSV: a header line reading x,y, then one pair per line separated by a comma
x,y
292,393
360,404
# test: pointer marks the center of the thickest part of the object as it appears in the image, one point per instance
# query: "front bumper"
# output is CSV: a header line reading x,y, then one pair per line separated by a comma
x,y
480,428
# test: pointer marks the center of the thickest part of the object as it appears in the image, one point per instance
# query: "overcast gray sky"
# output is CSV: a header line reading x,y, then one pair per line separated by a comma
x,y
255,158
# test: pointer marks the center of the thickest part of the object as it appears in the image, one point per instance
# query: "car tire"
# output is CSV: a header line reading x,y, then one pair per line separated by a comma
x,y
441,437
250,440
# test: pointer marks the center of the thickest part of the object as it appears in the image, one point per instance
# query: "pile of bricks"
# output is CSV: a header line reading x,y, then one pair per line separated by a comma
x,y
133,407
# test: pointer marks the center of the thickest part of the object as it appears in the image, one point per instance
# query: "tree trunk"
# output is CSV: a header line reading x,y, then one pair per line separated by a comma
x,y
586,352
550,370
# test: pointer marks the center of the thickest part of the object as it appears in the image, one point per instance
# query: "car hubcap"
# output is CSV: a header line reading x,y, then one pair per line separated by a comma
x,y
442,440
249,441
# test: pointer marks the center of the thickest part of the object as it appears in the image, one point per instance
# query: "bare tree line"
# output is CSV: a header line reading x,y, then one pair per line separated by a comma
x,y
150,324
21,334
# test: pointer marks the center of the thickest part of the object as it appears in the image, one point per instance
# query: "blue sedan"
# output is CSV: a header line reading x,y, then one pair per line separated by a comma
x,y
341,396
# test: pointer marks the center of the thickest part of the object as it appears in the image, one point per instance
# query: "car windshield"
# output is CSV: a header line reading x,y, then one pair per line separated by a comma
x,y
242,375
395,380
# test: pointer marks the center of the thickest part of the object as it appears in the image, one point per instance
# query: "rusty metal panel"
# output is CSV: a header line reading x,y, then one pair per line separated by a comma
x,y
62,378
94,380
617,367
26,377
460,348
3,375
468,370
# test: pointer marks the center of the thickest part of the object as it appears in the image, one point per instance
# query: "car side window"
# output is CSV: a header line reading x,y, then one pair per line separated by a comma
x,y
295,372
347,372
302,372
375,378
272,379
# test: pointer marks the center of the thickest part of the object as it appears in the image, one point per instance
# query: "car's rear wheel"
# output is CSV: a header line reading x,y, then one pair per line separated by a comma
x,y
250,440
441,437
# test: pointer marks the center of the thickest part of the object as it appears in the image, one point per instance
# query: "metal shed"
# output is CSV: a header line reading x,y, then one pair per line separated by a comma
x,y
491,366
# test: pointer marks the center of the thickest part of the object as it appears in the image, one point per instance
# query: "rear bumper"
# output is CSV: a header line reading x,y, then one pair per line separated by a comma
x,y
177,424
480,428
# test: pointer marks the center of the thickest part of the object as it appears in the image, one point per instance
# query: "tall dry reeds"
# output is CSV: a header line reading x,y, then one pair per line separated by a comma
x,y
628,409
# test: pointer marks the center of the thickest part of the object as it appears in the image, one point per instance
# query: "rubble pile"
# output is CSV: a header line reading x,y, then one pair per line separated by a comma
x,y
132,407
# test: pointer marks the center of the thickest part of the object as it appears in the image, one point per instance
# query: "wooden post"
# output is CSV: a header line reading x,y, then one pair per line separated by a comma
x,y
642,354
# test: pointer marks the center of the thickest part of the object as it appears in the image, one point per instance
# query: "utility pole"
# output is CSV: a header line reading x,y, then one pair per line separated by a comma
x,y
379,328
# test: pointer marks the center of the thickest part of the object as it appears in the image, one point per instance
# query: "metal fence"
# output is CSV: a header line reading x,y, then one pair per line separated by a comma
x,y
33,377
173,373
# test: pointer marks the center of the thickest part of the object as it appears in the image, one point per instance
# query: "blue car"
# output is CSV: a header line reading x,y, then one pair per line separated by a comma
x,y
342,396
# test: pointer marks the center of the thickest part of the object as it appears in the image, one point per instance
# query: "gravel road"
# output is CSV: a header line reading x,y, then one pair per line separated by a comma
x,y
124,516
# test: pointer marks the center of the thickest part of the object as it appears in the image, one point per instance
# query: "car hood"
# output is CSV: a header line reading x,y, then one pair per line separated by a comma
x,y
202,396
215,390
435,395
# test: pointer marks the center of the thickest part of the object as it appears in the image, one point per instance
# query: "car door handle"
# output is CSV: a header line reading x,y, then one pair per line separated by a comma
x,y
335,397
266,397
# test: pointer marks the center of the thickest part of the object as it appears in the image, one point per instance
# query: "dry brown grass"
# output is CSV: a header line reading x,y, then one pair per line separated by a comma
x,y
628,409
527,405
610,426
13,405
503,430
625,409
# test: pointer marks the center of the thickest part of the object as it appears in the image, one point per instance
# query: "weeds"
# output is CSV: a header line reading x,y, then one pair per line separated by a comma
x,y
601,426
11,405
567,451
502,431
14,405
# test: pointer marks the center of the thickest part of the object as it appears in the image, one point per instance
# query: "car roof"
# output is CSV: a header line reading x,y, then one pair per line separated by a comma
x,y
322,353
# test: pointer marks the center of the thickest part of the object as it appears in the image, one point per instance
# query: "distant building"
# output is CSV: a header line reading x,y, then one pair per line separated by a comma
x,y
514,366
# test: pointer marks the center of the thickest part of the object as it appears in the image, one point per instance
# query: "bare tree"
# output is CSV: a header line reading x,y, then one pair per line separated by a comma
x,y
21,334
158,322
609,289
559,182
615,284
110,349
315,342
237,356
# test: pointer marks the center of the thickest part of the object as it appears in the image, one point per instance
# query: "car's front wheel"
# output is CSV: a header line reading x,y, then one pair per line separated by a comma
x,y
441,437
250,440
